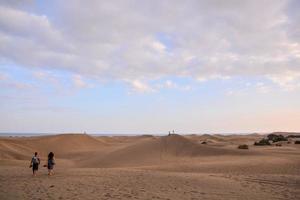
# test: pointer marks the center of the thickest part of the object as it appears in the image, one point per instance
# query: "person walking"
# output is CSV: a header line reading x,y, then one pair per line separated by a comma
x,y
35,161
51,163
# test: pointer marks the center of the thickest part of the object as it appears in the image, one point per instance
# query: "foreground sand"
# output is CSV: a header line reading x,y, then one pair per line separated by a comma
x,y
144,184
117,171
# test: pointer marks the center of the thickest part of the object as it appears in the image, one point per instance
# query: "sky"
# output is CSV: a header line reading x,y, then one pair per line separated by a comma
x,y
147,67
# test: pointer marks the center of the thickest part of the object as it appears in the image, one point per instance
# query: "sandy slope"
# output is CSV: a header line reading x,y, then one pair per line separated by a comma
x,y
159,150
62,145
147,167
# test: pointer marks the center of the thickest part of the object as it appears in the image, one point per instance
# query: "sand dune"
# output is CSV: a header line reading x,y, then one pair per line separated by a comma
x,y
13,149
150,167
66,143
158,150
223,140
89,151
62,145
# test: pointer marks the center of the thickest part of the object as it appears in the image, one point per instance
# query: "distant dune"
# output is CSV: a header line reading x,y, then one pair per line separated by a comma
x,y
62,145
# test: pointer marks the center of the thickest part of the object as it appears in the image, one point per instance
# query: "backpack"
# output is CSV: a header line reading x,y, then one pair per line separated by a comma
x,y
35,160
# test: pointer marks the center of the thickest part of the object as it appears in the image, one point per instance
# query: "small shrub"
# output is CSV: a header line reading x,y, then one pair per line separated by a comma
x,y
293,136
297,142
278,145
276,138
243,146
262,142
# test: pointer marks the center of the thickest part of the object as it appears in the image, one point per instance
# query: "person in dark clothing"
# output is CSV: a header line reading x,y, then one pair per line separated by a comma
x,y
35,161
51,163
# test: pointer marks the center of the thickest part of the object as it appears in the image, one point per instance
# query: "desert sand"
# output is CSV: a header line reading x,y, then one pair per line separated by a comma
x,y
150,167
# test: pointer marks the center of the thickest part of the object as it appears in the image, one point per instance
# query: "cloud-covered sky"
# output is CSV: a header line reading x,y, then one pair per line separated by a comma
x,y
150,66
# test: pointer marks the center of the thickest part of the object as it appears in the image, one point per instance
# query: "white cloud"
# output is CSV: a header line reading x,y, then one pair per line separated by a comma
x,y
79,82
122,40
158,47
169,84
139,86
262,88
143,87
288,81
49,77
6,81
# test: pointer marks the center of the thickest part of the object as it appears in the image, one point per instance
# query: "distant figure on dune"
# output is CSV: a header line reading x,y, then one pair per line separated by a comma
x,y
35,161
51,163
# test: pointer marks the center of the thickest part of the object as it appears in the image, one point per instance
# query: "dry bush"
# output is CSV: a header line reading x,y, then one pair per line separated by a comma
x,y
243,146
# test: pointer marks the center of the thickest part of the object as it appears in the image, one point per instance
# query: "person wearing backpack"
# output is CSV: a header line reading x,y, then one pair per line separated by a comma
x,y
35,161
